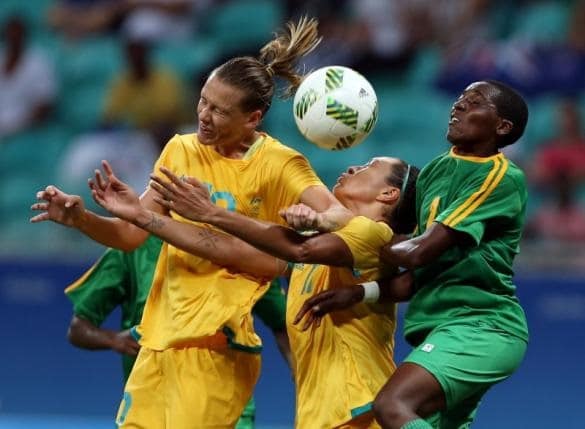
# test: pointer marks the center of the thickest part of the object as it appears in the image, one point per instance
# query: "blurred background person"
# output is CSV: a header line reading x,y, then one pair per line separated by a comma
x,y
28,86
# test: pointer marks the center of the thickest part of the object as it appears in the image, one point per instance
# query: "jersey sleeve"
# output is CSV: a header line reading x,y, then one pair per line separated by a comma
x,y
290,181
483,199
271,308
365,238
97,292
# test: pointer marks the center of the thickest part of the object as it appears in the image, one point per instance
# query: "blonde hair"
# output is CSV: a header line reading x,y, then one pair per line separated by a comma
x,y
279,57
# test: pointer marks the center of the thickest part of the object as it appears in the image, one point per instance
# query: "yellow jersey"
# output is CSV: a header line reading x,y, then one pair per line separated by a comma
x,y
194,302
341,365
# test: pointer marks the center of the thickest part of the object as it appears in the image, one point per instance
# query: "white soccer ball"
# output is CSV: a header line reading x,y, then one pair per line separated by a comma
x,y
335,107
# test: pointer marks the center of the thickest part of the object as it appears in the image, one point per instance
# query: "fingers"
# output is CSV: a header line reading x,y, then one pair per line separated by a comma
x,y
162,187
99,182
40,217
40,206
172,177
165,203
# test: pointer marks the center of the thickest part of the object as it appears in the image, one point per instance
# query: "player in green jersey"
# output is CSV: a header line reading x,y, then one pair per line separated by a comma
x,y
464,320
123,279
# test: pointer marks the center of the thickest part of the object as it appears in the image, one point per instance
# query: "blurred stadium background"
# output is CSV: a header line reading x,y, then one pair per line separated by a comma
x,y
417,54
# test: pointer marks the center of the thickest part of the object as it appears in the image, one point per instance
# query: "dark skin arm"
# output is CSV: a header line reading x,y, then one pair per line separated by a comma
x,y
85,335
410,254
394,289
421,250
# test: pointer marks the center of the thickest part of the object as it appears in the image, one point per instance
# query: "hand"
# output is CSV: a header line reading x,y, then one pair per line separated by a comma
x,y
124,343
114,195
59,207
301,217
187,197
325,302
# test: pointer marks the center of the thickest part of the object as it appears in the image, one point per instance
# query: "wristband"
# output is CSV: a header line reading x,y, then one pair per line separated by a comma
x,y
371,292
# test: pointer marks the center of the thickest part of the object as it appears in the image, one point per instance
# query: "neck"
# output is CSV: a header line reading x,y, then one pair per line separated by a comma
x,y
372,211
479,150
237,150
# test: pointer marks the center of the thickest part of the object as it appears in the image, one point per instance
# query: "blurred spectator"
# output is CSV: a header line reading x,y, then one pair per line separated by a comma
x,y
368,35
80,18
564,219
565,153
163,20
27,81
152,20
532,64
144,107
145,96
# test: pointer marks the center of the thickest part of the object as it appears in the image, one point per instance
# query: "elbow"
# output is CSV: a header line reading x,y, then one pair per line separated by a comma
x,y
299,254
72,335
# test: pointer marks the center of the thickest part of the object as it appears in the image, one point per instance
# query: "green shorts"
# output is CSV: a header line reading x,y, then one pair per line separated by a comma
x,y
466,357
248,416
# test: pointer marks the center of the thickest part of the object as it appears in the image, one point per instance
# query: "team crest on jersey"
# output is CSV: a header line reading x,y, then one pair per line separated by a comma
x,y
255,207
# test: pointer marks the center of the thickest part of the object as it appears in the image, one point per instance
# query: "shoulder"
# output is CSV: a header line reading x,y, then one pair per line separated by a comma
x,y
275,149
514,177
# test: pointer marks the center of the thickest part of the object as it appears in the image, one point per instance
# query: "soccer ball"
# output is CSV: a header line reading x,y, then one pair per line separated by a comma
x,y
335,107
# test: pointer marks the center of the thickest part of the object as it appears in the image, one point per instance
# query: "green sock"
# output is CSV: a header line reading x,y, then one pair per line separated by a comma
x,y
417,424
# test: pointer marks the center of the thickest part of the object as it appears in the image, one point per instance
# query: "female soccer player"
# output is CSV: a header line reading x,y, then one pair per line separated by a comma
x,y
197,323
464,320
339,367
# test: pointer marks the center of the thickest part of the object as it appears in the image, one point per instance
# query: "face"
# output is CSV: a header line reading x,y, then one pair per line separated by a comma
x,y
364,182
474,117
221,120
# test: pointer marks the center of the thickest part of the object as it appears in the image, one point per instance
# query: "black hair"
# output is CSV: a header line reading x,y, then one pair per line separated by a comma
x,y
402,219
511,106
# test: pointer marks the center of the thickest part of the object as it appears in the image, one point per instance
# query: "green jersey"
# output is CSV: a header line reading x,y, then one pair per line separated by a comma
x,y
123,279
484,198
117,279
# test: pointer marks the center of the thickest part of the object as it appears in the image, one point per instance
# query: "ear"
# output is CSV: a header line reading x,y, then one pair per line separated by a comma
x,y
389,195
504,127
254,119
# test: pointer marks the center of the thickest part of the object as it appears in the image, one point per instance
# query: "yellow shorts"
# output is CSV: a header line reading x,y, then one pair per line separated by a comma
x,y
364,421
188,388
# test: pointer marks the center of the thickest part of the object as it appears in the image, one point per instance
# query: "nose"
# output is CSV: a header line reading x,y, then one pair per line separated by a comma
x,y
351,170
203,114
459,105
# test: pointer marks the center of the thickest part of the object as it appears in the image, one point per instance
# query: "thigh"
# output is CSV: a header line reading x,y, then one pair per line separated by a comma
x,y
142,404
208,387
467,358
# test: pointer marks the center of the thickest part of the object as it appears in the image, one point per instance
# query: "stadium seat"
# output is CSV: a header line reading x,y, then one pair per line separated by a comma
x,y
243,25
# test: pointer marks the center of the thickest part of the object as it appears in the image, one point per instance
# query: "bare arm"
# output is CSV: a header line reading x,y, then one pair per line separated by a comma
x,y
69,210
394,289
421,250
277,240
217,247
330,214
85,335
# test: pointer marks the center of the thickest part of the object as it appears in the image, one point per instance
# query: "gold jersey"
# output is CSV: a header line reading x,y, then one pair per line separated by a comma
x,y
341,365
194,302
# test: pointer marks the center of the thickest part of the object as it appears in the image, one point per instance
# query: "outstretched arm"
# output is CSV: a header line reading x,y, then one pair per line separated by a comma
x,y
421,250
192,196
394,289
85,335
69,210
215,246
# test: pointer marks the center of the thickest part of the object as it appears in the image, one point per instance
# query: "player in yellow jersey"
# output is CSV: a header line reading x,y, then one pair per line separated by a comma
x,y
199,358
339,367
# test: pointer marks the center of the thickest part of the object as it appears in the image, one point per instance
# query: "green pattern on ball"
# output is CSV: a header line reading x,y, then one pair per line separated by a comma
x,y
333,79
345,142
342,113
372,121
305,103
